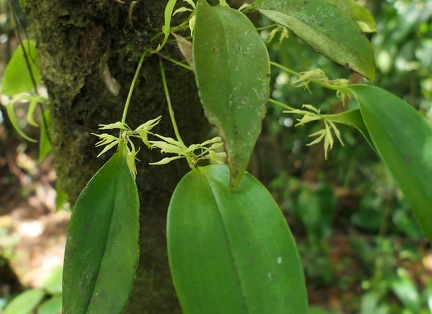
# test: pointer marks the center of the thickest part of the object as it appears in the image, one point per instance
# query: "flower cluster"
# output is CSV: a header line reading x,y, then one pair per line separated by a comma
x,y
194,153
208,150
314,114
110,141
318,76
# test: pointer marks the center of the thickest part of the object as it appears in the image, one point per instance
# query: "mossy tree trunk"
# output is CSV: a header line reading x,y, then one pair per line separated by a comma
x,y
78,42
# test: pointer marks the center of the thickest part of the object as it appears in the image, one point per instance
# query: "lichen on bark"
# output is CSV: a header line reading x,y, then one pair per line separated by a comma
x,y
77,40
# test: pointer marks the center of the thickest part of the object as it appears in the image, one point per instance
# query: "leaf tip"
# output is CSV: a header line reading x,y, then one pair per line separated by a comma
x,y
235,178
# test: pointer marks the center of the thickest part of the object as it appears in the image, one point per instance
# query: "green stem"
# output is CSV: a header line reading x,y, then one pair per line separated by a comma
x,y
131,89
266,27
280,104
171,112
170,109
175,61
322,84
277,65
184,25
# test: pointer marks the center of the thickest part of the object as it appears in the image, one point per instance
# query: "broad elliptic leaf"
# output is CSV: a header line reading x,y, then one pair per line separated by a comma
x,y
326,28
358,13
17,78
231,252
102,248
403,140
232,74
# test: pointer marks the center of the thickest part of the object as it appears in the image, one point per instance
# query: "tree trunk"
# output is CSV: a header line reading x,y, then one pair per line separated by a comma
x,y
80,42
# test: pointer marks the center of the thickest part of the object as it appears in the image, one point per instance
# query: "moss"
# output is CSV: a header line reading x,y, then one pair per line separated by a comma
x,y
76,38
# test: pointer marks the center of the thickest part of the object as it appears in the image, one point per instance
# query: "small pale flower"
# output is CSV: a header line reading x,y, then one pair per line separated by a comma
x,y
130,158
108,140
217,158
144,130
165,161
325,134
194,153
116,125
192,17
283,34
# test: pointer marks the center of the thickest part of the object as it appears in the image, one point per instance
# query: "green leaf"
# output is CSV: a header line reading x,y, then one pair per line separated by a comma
x,y
166,28
403,140
358,13
326,28
231,252
12,117
232,74
406,291
61,197
53,282
102,248
44,140
354,119
52,306
17,78
23,3
25,302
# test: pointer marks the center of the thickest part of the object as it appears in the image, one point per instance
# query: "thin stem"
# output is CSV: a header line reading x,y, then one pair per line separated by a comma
x,y
174,29
322,84
285,69
265,27
29,68
280,104
131,89
175,61
171,111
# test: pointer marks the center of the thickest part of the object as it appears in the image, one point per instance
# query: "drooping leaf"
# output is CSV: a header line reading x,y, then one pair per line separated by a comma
x,y
231,252
403,140
326,28
358,13
232,74
31,110
102,248
17,78
25,302
44,139
13,119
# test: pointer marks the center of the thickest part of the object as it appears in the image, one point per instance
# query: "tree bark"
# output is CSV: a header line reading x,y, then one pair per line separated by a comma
x,y
79,41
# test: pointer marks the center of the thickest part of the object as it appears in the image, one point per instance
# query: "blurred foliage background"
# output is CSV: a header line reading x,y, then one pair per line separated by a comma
x,y
362,248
